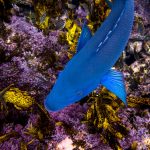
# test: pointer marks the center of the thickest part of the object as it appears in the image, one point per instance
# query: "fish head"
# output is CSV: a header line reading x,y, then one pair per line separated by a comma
x,y
60,97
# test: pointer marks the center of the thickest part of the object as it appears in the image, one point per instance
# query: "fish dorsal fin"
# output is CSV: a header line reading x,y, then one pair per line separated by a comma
x,y
114,82
84,37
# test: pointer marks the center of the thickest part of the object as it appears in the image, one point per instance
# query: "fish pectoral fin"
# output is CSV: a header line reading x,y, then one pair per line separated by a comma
x,y
109,3
84,37
114,82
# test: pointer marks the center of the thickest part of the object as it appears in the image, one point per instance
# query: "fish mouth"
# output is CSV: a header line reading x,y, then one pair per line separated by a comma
x,y
46,105
50,107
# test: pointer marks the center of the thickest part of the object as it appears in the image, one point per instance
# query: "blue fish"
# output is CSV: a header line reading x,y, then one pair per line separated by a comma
x,y
91,65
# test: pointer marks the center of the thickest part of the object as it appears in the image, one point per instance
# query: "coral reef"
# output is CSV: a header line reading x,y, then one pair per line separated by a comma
x,y
36,41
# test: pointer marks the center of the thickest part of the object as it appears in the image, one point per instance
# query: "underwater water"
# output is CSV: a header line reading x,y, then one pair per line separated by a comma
x,y
37,40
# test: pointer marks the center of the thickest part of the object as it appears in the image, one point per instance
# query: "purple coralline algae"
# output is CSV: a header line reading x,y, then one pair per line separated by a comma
x,y
30,55
31,59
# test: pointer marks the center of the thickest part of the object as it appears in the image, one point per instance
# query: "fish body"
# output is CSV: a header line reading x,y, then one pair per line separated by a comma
x,y
91,65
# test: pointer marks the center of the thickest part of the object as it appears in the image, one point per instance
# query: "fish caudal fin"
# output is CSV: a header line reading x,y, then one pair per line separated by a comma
x,y
114,82
84,37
